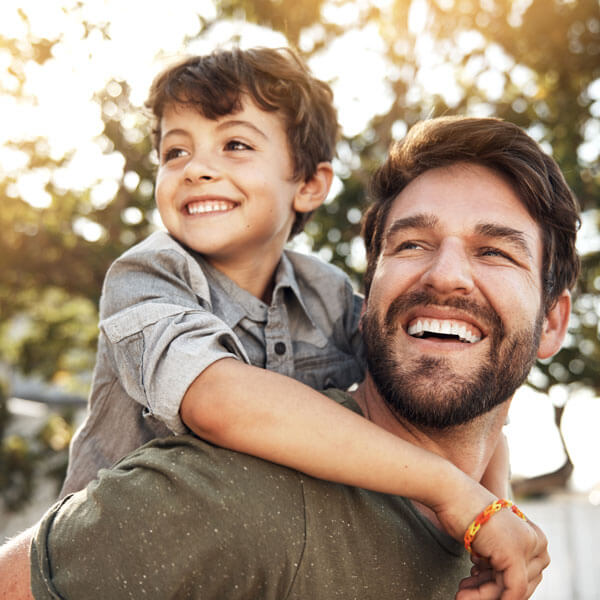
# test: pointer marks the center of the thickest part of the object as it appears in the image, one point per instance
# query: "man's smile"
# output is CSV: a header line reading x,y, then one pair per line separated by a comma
x,y
444,329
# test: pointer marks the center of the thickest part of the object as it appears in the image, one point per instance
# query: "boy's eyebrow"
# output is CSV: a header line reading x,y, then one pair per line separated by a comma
x,y
241,122
174,131
513,236
220,126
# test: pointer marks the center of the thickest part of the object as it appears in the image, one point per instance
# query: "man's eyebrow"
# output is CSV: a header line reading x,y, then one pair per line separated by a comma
x,y
418,221
513,236
241,123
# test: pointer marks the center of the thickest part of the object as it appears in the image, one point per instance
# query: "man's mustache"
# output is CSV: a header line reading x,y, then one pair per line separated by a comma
x,y
483,314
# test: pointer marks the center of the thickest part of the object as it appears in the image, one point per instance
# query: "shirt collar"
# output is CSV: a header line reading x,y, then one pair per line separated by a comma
x,y
285,277
242,304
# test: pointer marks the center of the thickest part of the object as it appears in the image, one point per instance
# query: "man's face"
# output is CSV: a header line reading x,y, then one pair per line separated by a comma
x,y
453,318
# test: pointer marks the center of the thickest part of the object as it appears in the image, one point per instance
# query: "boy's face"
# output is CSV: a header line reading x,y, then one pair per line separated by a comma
x,y
224,187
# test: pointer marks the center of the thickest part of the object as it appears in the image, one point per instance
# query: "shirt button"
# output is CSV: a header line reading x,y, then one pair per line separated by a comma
x,y
280,348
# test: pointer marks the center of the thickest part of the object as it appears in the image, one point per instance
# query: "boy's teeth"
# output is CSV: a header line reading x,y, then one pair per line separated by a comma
x,y
205,206
420,327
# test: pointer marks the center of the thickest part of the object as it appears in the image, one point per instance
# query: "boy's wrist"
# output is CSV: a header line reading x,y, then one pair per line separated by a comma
x,y
459,500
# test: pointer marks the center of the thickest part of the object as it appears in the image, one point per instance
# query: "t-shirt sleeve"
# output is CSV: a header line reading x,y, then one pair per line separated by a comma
x,y
161,334
174,520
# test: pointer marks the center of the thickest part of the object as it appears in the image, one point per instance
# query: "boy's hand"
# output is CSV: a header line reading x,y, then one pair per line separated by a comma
x,y
515,550
516,553
483,584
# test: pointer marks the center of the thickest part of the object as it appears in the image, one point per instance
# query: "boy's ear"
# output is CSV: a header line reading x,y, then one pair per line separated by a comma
x,y
313,192
555,326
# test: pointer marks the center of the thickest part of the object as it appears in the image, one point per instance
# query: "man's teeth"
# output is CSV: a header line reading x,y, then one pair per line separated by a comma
x,y
208,206
424,326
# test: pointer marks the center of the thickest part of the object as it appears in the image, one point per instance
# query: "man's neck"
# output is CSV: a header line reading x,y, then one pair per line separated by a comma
x,y
469,446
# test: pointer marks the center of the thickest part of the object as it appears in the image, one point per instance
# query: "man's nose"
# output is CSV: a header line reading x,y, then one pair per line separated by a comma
x,y
201,167
450,269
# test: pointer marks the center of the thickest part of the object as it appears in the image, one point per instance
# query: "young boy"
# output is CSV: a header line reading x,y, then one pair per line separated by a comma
x,y
214,328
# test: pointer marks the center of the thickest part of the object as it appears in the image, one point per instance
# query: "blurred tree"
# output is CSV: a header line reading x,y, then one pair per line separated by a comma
x,y
533,63
53,257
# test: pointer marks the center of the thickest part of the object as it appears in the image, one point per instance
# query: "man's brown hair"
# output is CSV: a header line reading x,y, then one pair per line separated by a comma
x,y
507,150
277,80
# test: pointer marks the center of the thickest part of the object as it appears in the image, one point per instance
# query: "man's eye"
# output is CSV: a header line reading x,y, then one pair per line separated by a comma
x,y
495,252
236,145
408,246
172,154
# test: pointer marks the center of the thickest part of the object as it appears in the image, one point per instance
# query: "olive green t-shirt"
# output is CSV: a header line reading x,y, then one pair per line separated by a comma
x,y
180,518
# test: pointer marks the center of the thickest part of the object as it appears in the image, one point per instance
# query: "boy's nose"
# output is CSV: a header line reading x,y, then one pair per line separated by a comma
x,y
200,168
450,269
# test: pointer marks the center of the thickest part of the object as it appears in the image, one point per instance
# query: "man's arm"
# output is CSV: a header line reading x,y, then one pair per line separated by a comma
x,y
14,567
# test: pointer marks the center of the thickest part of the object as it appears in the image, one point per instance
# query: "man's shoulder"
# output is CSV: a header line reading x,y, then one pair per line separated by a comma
x,y
178,503
197,468
211,489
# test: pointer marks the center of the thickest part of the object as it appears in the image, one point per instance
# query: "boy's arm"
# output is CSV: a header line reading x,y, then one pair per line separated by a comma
x,y
258,412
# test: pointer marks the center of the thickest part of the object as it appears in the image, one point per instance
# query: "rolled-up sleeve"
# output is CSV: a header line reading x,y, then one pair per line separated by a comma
x,y
161,334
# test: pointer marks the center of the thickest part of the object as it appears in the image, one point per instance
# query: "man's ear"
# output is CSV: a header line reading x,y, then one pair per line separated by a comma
x,y
555,325
313,192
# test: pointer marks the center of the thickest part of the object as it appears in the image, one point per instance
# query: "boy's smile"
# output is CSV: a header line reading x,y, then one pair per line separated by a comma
x,y
224,187
205,205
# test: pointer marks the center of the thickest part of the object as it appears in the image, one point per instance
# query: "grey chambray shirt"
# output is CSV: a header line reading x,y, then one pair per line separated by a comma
x,y
166,315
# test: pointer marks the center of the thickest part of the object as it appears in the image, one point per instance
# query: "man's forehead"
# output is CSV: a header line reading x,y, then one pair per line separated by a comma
x,y
460,188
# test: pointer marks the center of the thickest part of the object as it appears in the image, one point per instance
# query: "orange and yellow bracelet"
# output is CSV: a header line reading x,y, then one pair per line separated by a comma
x,y
485,515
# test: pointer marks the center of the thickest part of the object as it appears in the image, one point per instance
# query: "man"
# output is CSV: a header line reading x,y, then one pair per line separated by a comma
x,y
471,255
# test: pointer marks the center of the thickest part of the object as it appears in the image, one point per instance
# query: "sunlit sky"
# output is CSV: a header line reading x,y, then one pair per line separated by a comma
x,y
141,40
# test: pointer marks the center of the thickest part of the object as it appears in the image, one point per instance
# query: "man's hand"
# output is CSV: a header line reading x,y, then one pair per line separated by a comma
x,y
516,554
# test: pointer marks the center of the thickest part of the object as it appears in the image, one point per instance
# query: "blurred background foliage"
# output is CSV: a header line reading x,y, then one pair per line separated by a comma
x,y
533,62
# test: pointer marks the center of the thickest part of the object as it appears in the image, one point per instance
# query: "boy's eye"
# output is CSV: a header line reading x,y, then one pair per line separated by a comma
x,y
173,153
236,145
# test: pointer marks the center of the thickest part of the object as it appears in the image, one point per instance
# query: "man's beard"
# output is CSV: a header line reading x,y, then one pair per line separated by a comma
x,y
427,392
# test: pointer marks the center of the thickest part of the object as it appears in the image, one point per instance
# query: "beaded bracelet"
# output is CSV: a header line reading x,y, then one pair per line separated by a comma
x,y
485,516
